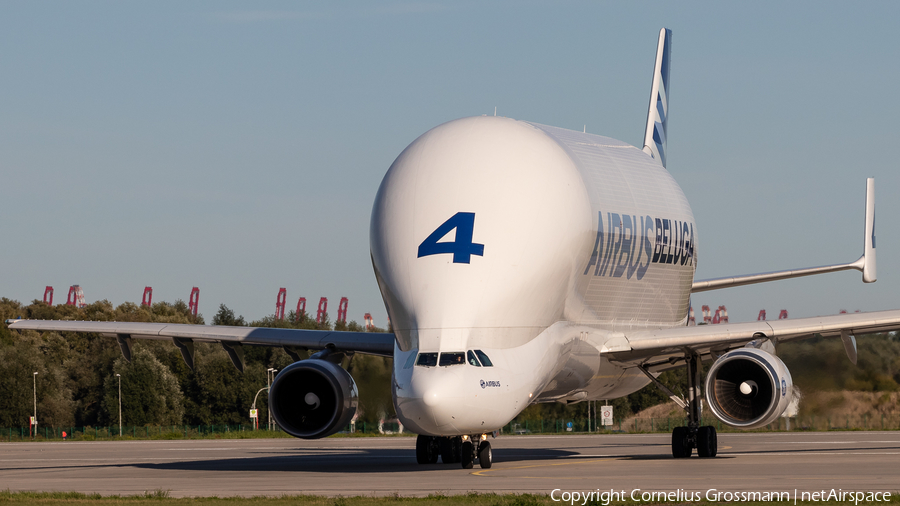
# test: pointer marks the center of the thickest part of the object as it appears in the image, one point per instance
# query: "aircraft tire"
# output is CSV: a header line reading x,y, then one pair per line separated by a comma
x,y
446,450
426,450
468,454
485,457
707,442
450,449
681,448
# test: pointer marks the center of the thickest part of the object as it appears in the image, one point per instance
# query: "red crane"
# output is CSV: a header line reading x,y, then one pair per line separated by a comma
x,y
723,314
762,315
323,309
147,299
707,319
301,309
370,323
194,304
782,315
342,310
279,303
48,295
75,297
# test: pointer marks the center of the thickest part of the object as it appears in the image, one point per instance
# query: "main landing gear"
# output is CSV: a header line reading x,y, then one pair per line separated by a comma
x,y
463,450
685,439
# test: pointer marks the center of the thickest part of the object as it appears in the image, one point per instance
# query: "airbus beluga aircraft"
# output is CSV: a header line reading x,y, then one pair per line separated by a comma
x,y
523,263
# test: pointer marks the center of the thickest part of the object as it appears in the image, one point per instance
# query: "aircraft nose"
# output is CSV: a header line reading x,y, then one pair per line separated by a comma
x,y
431,398
430,406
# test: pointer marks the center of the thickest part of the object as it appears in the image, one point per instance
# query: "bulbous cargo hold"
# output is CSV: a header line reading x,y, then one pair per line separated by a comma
x,y
485,231
748,388
471,216
311,399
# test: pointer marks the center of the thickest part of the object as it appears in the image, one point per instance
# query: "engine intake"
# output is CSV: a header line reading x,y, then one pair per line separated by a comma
x,y
748,388
311,399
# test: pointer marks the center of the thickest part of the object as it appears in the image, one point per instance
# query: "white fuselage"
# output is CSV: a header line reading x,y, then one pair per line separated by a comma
x,y
555,241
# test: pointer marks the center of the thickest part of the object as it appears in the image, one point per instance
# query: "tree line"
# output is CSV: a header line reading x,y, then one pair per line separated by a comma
x,y
77,382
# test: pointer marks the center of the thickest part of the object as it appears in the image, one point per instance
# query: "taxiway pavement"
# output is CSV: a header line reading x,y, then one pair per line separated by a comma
x,y
807,461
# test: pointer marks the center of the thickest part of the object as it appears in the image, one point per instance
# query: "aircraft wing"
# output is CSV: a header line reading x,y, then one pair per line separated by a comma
x,y
231,338
644,345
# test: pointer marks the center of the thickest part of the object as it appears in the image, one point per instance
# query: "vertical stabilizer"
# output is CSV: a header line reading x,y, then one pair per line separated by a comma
x,y
657,115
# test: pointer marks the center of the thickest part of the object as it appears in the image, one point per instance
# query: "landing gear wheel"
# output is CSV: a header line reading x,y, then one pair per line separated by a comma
x,y
426,450
446,451
681,447
467,455
707,441
450,449
456,446
485,458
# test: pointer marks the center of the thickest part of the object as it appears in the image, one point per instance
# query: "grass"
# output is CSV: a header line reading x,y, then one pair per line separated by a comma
x,y
159,497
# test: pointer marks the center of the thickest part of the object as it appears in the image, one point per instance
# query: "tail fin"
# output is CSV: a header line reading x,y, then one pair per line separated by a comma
x,y
657,115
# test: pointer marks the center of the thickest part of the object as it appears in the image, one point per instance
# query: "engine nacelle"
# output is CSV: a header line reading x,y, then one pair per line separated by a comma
x,y
748,388
311,399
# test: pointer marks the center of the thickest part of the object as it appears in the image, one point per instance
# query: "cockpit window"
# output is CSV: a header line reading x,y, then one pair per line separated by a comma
x,y
427,359
485,361
454,358
410,361
470,356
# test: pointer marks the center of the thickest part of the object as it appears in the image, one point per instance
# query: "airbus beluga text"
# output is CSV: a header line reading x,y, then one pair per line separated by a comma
x,y
523,263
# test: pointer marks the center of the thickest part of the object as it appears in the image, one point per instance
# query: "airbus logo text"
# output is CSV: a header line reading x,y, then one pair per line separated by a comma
x,y
623,246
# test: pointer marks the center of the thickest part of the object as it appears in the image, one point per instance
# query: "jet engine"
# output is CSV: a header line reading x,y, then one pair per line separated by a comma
x,y
748,388
313,398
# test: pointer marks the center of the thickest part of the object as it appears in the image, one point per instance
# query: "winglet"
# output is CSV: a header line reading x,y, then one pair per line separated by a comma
x,y
866,262
869,271
658,111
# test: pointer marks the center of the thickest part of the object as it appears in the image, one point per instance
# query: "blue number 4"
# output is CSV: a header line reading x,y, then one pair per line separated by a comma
x,y
462,247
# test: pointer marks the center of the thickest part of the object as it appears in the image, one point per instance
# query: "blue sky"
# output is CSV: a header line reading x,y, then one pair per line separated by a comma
x,y
238,146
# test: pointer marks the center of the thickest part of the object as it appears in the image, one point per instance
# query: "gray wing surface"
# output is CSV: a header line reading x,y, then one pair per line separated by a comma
x,y
372,343
644,345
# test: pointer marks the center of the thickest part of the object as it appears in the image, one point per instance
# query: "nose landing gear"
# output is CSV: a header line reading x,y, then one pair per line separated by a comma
x,y
483,453
485,458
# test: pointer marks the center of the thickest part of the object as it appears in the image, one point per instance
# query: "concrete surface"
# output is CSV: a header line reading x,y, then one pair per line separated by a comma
x,y
865,461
